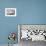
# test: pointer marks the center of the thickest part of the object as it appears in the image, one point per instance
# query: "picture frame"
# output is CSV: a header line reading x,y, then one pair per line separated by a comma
x,y
39,28
10,12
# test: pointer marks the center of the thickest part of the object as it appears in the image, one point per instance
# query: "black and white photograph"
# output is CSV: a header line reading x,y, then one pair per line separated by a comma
x,y
31,34
10,11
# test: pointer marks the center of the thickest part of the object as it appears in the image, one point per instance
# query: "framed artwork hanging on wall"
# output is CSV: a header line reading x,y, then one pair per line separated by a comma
x,y
10,12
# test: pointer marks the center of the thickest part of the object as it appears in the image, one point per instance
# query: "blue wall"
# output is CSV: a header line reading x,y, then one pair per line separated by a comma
x,y
28,12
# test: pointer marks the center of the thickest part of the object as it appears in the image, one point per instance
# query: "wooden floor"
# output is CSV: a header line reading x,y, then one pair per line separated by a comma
x,y
30,43
7,45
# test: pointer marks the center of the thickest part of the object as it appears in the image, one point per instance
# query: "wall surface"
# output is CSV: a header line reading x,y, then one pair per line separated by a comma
x,y
28,12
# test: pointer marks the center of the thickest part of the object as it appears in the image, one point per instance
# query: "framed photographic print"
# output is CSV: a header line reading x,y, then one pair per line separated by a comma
x,y
33,32
10,12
